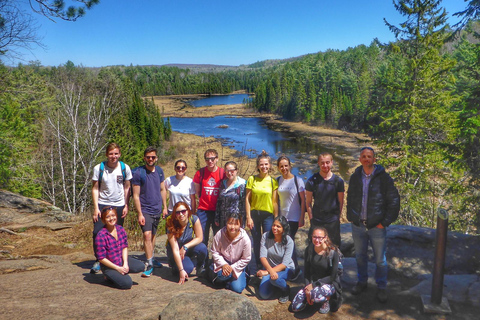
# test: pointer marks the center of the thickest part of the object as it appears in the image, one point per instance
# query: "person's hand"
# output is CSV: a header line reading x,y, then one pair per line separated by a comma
x,y
96,215
226,270
125,211
261,273
250,223
182,253
121,270
183,277
301,223
141,220
308,294
217,223
126,267
274,275
165,212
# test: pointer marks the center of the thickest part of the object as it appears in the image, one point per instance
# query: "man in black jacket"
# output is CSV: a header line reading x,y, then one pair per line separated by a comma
x,y
373,204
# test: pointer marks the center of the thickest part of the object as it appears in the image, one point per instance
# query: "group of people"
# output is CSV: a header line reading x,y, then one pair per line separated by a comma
x,y
272,208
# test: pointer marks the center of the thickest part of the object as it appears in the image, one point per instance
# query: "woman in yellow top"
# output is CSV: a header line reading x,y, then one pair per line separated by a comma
x,y
261,202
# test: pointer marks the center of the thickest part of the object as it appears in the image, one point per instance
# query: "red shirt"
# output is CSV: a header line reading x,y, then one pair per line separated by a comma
x,y
210,186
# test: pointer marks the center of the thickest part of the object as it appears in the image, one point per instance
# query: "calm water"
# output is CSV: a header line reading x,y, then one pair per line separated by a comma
x,y
250,136
223,99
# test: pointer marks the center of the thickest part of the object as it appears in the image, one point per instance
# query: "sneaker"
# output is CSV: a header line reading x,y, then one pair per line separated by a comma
x,y
382,295
359,288
147,273
296,275
200,271
157,264
95,268
325,308
285,296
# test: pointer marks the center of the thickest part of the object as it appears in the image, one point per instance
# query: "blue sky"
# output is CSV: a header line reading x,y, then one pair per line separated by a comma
x,y
223,32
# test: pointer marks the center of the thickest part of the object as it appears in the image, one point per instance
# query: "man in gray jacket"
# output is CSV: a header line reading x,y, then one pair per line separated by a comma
x,y
373,204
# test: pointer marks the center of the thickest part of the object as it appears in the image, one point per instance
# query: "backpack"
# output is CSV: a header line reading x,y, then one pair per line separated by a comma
x,y
143,173
340,259
102,168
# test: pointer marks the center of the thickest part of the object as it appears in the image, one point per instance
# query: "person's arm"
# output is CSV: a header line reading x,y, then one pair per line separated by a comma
x,y
275,203
126,191
309,196
138,207
193,200
198,189
177,258
392,202
96,212
248,198
341,196
163,194
217,256
301,222
244,260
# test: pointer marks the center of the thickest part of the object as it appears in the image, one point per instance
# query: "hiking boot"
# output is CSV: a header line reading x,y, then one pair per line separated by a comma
x,y
95,268
296,275
325,308
285,296
147,273
157,264
359,288
382,295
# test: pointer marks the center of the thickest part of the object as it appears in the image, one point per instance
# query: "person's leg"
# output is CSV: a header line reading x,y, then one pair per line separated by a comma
x,y
378,239
333,229
202,215
187,264
256,235
119,215
360,242
198,253
265,289
293,231
322,293
267,221
121,281
237,285
281,281
299,302
135,265
97,226
210,223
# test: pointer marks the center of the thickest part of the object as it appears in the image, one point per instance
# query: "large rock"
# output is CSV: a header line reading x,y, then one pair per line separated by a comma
x,y
222,304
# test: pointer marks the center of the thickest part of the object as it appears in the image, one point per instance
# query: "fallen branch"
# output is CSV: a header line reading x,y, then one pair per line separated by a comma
x,y
7,231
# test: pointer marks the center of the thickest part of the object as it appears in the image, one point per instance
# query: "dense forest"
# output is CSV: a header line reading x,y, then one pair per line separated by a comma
x,y
417,96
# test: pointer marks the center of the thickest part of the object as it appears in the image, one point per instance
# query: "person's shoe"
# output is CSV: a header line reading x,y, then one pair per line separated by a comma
x,y
147,273
296,275
325,308
285,297
95,268
200,271
157,264
359,288
382,295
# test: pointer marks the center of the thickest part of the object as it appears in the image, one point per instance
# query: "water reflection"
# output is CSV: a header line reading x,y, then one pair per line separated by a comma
x,y
220,99
249,136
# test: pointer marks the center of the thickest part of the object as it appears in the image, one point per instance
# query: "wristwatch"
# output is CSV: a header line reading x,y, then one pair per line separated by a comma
x,y
185,248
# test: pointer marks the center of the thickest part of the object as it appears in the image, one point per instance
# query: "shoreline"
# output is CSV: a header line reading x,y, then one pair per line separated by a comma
x,y
332,139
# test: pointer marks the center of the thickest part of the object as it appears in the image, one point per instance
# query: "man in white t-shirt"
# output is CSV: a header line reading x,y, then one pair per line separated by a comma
x,y
110,188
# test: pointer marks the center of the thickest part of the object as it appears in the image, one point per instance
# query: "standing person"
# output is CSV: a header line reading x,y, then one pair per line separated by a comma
x,y
180,187
291,201
112,251
231,196
184,244
327,189
261,202
149,196
207,184
322,280
276,256
231,253
110,188
373,204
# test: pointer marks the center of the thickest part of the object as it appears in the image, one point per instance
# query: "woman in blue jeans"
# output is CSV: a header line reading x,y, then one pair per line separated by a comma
x,y
184,244
261,202
276,250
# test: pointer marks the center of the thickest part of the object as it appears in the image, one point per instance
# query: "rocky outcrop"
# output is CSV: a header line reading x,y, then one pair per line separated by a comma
x,y
222,304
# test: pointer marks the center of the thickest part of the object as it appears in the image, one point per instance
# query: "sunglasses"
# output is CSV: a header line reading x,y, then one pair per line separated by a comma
x,y
179,168
210,159
184,211
318,238
150,157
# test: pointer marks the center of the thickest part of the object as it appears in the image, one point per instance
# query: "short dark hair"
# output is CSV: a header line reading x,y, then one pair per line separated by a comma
x,y
150,149
233,163
111,146
367,148
234,216
283,157
210,151
178,161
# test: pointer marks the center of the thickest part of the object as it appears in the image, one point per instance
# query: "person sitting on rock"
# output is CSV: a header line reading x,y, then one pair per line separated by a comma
x,y
276,249
112,251
184,244
321,274
231,253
